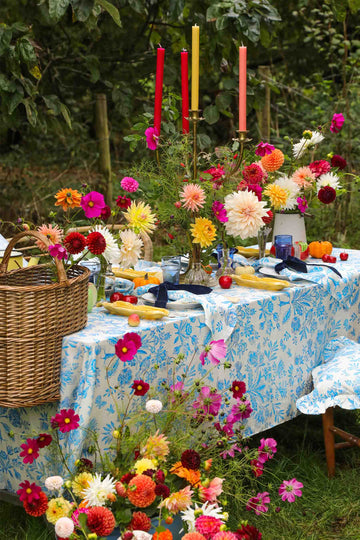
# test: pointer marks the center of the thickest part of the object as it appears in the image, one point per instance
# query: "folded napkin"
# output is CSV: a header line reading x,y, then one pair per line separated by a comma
x,y
125,286
161,291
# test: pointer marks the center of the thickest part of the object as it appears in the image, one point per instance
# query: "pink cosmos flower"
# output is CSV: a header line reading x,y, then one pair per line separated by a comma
x,y
219,212
215,351
258,503
231,451
290,489
238,389
241,410
129,184
267,449
177,393
66,420
208,526
264,148
30,451
252,174
135,338
28,492
152,138
212,491
58,252
128,346
302,204
257,467
208,402
337,123
319,167
193,197
303,177
92,204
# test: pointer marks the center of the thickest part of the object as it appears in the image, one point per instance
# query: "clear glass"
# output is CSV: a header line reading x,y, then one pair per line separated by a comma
x,y
262,239
196,275
225,268
106,282
170,266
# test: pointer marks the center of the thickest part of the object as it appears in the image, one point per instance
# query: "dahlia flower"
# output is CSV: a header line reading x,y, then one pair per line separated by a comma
x,y
207,526
319,167
248,532
112,252
129,184
211,491
180,500
64,527
225,535
304,143
140,218
100,521
245,213
156,446
328,179
96,243
153,406
130,249
68,198
338,161
81,482
203,232
303,177
57,508
38,506
74,243
190,459
193,536
96,494
193,197
144,494
54,483
290,489
53,234
252,174
191,476
144,464
140,521
272,162
282,193
326,195
207,509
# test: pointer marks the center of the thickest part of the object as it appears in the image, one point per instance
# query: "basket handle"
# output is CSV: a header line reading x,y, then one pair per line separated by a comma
x,y
62,277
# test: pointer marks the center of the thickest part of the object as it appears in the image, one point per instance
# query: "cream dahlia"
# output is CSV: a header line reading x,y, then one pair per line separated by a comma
x,y
245,213
130,248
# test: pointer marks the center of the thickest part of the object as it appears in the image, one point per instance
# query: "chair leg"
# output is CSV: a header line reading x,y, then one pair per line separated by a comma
x,y
329,440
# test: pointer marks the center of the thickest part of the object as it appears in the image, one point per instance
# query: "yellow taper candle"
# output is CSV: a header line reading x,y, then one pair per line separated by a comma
x,y
195,68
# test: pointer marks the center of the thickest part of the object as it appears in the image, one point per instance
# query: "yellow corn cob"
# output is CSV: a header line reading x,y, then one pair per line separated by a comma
x,y
255,282
250,252
126,309
128,273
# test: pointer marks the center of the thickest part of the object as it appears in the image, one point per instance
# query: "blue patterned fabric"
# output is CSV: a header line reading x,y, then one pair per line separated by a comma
x,y
337,381
276,341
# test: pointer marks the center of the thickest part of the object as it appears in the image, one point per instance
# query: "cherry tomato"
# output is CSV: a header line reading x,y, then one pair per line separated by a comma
x,y
326,257
116,296
332,259
344,256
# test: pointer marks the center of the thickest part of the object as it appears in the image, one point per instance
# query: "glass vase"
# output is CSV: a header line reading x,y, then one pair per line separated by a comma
x,y
225,268
106,281
195,274
262,239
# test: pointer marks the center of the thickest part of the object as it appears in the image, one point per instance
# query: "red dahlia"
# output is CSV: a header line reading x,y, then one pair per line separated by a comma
x,y
268,219
105,213
338,161
123,202
125,479
96,243
162,490
327,194
74,242
100,520
38,506
140,522
248,532
190,459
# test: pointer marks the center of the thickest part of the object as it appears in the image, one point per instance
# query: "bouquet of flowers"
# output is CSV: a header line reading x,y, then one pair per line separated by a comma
x,y
170,457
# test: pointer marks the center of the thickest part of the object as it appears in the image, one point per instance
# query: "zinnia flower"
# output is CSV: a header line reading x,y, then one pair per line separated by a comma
x,y
338,161
68,198
123,202
238,389
28,492
64,527
215,352
245,213
177,501
303,177
163,535
144,494
127,347
153,406
253,174
272,162
92,204
54,483
38,506
193,536
264,148
140,387
75,243
140,218
152,138
57,508
337,123
111,252
219,212
129,184
203,232
258,503
53,234
207,509
290,489
58,252
66,420
193,197
130,249
225,535
327,195
30,451
100,521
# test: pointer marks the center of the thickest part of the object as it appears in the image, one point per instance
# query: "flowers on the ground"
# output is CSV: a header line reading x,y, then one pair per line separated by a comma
x,y
203,232
290,489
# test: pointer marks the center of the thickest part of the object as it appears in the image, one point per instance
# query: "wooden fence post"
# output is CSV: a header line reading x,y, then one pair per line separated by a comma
x,y
102,135
264,115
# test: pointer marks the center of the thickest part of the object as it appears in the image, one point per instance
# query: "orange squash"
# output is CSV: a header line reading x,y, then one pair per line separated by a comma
x,y
146,280
318,249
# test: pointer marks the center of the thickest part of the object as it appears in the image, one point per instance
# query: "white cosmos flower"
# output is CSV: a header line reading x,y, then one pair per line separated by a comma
x,y
245,213
112,251
130,248
54,483
292,190
153,406
300,147
328,179
207,509
98,490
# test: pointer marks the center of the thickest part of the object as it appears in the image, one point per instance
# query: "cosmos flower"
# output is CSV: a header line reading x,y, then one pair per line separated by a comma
x,y
58,252
152,138
92,204
290,489
258,503
337,123
264,148
219,212
215,351
66,420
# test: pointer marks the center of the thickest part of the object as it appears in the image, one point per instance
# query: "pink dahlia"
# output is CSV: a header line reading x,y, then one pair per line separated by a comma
x,y
28,492
75,514
225,535
193,197
320,167
152,138
264,148
252,174
92,204
208,402
208,526
290,489
258,503
58,252
303,177
238,389
66,420
215,352
129,184
219,212
53,234
212,491
256,189
267,449
30,451
337,123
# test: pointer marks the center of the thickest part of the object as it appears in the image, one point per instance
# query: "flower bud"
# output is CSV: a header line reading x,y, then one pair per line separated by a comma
x,y
116,434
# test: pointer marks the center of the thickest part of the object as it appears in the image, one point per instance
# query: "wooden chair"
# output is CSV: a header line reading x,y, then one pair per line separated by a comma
x,y
329,439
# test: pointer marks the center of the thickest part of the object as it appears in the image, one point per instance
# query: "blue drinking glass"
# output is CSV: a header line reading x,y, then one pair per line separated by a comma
x,y
283,246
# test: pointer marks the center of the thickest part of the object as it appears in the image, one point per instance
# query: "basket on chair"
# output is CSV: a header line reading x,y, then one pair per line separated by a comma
x,y
36,312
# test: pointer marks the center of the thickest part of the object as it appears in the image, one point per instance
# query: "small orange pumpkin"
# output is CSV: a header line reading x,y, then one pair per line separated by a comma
x,y
146,280
318,249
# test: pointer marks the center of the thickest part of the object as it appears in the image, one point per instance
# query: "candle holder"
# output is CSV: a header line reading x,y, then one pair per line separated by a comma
x,y
195,118
242,140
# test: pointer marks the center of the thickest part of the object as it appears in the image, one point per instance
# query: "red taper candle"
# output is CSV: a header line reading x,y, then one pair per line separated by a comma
x,y
185,91
242,88
159,88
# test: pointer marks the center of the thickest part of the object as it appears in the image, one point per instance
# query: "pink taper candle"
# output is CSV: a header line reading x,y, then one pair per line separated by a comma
x,y
159,88
242,88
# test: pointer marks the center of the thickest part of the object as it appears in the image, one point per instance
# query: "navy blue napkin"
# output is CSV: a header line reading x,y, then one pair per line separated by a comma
x,y
293,263
161,291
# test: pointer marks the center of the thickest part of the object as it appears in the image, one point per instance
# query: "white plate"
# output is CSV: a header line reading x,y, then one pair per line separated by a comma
x,y
179,305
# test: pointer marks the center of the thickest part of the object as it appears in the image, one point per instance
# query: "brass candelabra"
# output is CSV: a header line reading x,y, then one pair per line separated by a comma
x,y
195,118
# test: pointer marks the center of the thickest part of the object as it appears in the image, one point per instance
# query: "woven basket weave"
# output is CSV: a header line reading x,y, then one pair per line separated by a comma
x,y
35,314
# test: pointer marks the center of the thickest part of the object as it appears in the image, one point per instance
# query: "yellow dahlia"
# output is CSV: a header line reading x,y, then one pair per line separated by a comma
x,y
157,446
140,218
57,508
277,195
203,232
177,501
68,198
81,482
144,464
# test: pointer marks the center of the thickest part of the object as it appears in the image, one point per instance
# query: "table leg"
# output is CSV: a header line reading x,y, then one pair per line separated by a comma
x,y
329,440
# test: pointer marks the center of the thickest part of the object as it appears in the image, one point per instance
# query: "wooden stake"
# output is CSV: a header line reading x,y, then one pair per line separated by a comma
x,y
102,135
264,116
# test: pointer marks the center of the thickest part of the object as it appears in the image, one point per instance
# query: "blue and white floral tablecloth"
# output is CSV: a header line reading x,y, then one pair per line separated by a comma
x,y
275,342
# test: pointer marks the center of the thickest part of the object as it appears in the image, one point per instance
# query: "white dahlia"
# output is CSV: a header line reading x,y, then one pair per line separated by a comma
x,y
97,492
328,179
112,251
292,190
245,213
300,147
130,248
207,509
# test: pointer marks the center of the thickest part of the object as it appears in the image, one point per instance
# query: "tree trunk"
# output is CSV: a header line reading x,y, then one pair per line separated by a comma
x,y
264,114
102,135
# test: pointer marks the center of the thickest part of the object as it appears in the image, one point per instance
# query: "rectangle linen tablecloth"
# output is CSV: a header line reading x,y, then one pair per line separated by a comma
x,y
276,339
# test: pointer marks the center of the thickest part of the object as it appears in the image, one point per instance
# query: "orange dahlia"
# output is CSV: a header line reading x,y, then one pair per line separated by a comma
x,y
38,506
144,494
272,162
164,535
68,198
140,522
191,476
100,520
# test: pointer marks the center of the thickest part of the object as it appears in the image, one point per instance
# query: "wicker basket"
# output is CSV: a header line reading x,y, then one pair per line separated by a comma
x,y
35,314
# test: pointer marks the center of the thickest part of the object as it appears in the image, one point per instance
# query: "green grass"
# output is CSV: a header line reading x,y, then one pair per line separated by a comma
x,y
328,510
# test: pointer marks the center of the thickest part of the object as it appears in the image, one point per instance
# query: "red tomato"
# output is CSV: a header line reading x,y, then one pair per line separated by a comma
x,y
116,296
131,299
225,282
331,259
326,258
344,256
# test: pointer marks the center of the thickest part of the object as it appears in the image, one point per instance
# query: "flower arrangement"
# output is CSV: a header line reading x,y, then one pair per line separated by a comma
x,y
172,449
